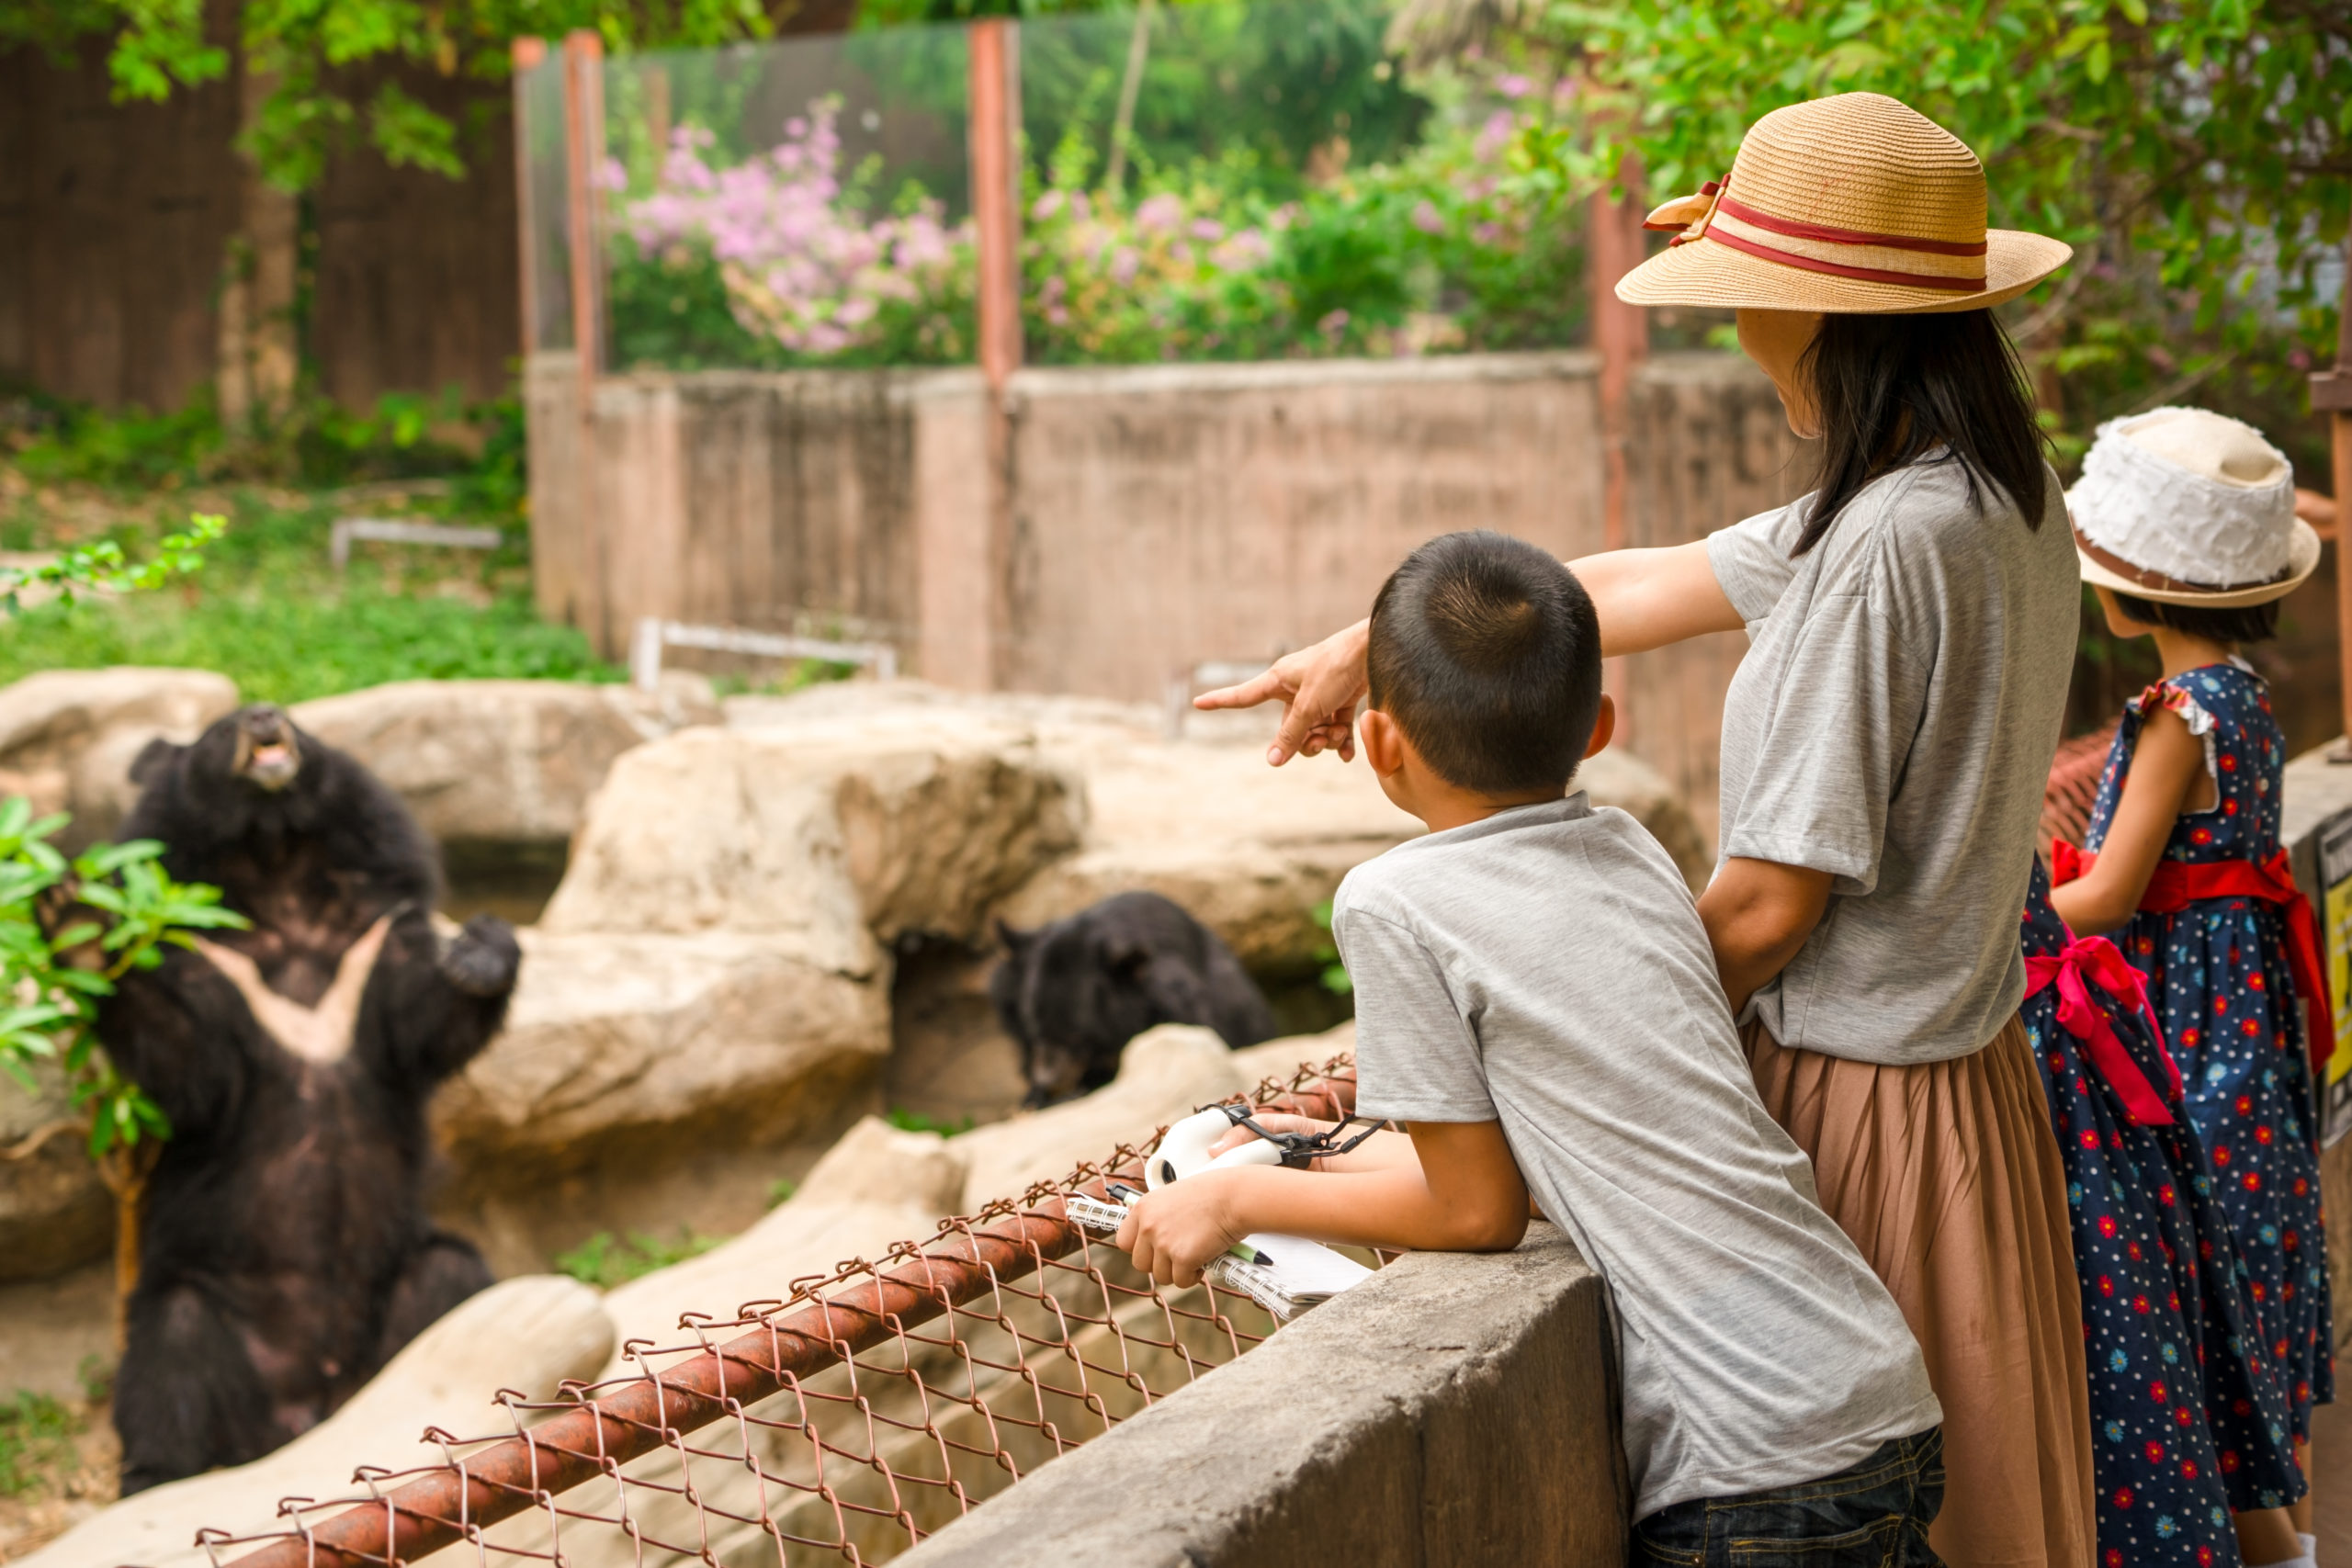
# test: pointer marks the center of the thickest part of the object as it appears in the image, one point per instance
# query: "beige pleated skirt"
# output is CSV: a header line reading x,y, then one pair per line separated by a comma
x,y
1947,1178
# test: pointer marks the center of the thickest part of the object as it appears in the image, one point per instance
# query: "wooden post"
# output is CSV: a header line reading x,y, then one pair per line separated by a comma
x,y
2332,392
1621,333
528,54
584,143
994,135
996,192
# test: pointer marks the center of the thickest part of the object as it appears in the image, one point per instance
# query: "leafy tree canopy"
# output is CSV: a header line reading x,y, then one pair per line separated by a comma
x,y
306,50
2197,154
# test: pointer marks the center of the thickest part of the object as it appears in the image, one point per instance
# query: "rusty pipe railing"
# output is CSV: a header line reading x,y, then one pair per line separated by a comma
x,y
579,1445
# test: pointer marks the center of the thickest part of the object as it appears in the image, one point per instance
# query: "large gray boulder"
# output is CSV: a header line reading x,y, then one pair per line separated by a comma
x,y
716,967
54,1211
505,762
68,737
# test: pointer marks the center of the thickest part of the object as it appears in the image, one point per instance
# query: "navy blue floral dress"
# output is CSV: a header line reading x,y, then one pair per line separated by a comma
x,y
2220,975
2188,1419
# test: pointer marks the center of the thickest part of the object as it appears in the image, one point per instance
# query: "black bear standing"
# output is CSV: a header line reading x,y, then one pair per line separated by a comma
x,y
1072,994
285,1249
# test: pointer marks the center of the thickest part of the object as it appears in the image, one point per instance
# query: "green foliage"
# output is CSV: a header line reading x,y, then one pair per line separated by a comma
x,y
53,982
311,642
2197,156
907,1121
477,445
1334,977
604,1261
781,1189
315,53
36,1436
101,567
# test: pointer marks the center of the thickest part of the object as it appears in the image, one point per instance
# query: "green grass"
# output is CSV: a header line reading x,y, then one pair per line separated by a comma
x,y
36,1436
604,1261
270,612
907,1121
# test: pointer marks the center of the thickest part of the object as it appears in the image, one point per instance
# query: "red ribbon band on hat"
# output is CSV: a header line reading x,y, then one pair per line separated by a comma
x,y
1725,202
2094,959
2176,885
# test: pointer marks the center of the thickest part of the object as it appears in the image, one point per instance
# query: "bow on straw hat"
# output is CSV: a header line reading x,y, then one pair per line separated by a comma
x,y
2189,507
1856,204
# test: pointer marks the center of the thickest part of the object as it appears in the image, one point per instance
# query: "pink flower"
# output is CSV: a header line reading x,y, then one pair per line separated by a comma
x,y
1426,218
1123,265
1513,87
1333,324
1493,136
1159,214
1206,229
1048,205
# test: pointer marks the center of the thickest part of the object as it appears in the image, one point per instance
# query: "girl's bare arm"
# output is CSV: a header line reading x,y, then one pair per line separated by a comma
x,y
2165,765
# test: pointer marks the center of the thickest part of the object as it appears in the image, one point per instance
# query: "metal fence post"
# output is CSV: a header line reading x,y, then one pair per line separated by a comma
x,y
583,141
2331,392
993,133
528,54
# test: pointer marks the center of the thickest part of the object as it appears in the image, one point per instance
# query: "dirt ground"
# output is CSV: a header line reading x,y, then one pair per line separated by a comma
x,y
57,1343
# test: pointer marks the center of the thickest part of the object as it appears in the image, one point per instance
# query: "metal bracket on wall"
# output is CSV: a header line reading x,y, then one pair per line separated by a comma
x,y
654,634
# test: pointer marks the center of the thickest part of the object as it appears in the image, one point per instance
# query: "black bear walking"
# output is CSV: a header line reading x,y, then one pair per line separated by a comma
x,y
285,1249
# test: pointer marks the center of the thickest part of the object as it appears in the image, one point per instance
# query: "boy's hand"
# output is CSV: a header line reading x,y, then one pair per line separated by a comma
x,y
1175,1233
1273,1122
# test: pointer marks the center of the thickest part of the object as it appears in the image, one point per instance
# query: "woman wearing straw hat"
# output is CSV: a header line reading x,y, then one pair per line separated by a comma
x,y
1884,747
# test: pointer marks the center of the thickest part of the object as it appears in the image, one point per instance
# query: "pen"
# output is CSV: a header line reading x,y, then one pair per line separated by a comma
x,y
1121,1192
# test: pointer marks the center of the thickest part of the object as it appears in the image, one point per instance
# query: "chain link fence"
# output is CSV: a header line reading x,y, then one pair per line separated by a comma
x,y
844,1421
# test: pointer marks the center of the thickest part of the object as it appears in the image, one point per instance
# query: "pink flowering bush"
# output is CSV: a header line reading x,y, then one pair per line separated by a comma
x,y
804,265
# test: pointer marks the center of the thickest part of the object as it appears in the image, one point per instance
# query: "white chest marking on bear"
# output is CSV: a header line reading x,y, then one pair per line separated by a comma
x,y
320,1033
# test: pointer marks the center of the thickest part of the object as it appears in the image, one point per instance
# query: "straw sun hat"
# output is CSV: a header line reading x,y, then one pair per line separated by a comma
x,y
1856,204
2188,507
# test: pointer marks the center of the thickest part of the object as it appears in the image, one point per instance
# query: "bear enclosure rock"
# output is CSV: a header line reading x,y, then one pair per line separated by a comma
x,y
716,963
54,1211
503,763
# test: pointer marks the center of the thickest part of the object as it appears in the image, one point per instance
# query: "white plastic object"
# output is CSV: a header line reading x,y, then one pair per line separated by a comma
x,y
1185,1150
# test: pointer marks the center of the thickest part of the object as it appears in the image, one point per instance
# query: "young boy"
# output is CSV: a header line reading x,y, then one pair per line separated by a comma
x,y
1535,997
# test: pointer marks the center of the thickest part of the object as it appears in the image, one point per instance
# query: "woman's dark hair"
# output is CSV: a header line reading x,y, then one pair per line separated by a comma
x,y
1891,388
2238,623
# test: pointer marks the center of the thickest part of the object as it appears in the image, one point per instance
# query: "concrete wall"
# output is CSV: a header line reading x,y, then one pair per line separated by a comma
x,y
1453,1412
1142,519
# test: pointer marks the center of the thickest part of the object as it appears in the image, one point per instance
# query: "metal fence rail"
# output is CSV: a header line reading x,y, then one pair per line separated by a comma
x,y
845,1422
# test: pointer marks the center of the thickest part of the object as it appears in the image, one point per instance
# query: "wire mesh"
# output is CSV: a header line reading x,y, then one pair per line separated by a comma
x,y
842,1421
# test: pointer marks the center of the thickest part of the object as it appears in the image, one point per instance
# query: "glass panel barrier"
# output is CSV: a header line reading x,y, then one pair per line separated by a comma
x,y
797,203
547,208
1228,181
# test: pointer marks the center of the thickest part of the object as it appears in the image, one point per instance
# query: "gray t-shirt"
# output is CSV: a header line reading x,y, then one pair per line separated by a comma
x,y
1893,725
1546,968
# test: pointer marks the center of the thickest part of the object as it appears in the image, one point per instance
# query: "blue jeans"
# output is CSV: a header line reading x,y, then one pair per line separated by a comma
x,y
1872,1516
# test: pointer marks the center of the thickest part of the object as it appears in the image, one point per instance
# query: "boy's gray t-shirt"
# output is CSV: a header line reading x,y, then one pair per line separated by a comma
x,y
1893,725
1546,968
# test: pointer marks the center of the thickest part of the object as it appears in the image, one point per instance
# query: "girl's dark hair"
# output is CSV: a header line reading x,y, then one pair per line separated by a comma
x,y
1891,388
2239,624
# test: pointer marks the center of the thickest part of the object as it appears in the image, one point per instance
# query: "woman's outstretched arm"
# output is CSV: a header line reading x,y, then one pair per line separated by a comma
x,y
1645,599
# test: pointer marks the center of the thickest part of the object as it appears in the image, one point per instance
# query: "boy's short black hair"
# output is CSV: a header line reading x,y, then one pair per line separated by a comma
x,y
2239,624
1487,653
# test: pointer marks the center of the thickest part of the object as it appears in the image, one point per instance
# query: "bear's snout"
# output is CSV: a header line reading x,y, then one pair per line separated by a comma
x,y
267,752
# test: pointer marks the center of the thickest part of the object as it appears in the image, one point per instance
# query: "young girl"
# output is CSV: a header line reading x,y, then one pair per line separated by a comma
x,y
2188,1417
2186,525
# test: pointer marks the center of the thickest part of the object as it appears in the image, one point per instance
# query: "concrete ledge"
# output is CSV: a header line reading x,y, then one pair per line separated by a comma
x,y
1456,1410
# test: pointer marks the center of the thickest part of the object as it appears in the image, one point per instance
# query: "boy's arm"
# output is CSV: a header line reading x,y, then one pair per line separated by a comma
x,y
1461,1193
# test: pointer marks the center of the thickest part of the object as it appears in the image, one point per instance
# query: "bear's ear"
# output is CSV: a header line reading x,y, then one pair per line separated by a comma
x,y
1014,940
152,760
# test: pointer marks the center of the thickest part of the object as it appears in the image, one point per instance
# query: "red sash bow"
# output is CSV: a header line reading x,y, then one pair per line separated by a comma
x,y
2176,885
2095,959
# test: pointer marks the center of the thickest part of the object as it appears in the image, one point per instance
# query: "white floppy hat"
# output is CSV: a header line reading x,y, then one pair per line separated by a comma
x,y
1856,204
2189,507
